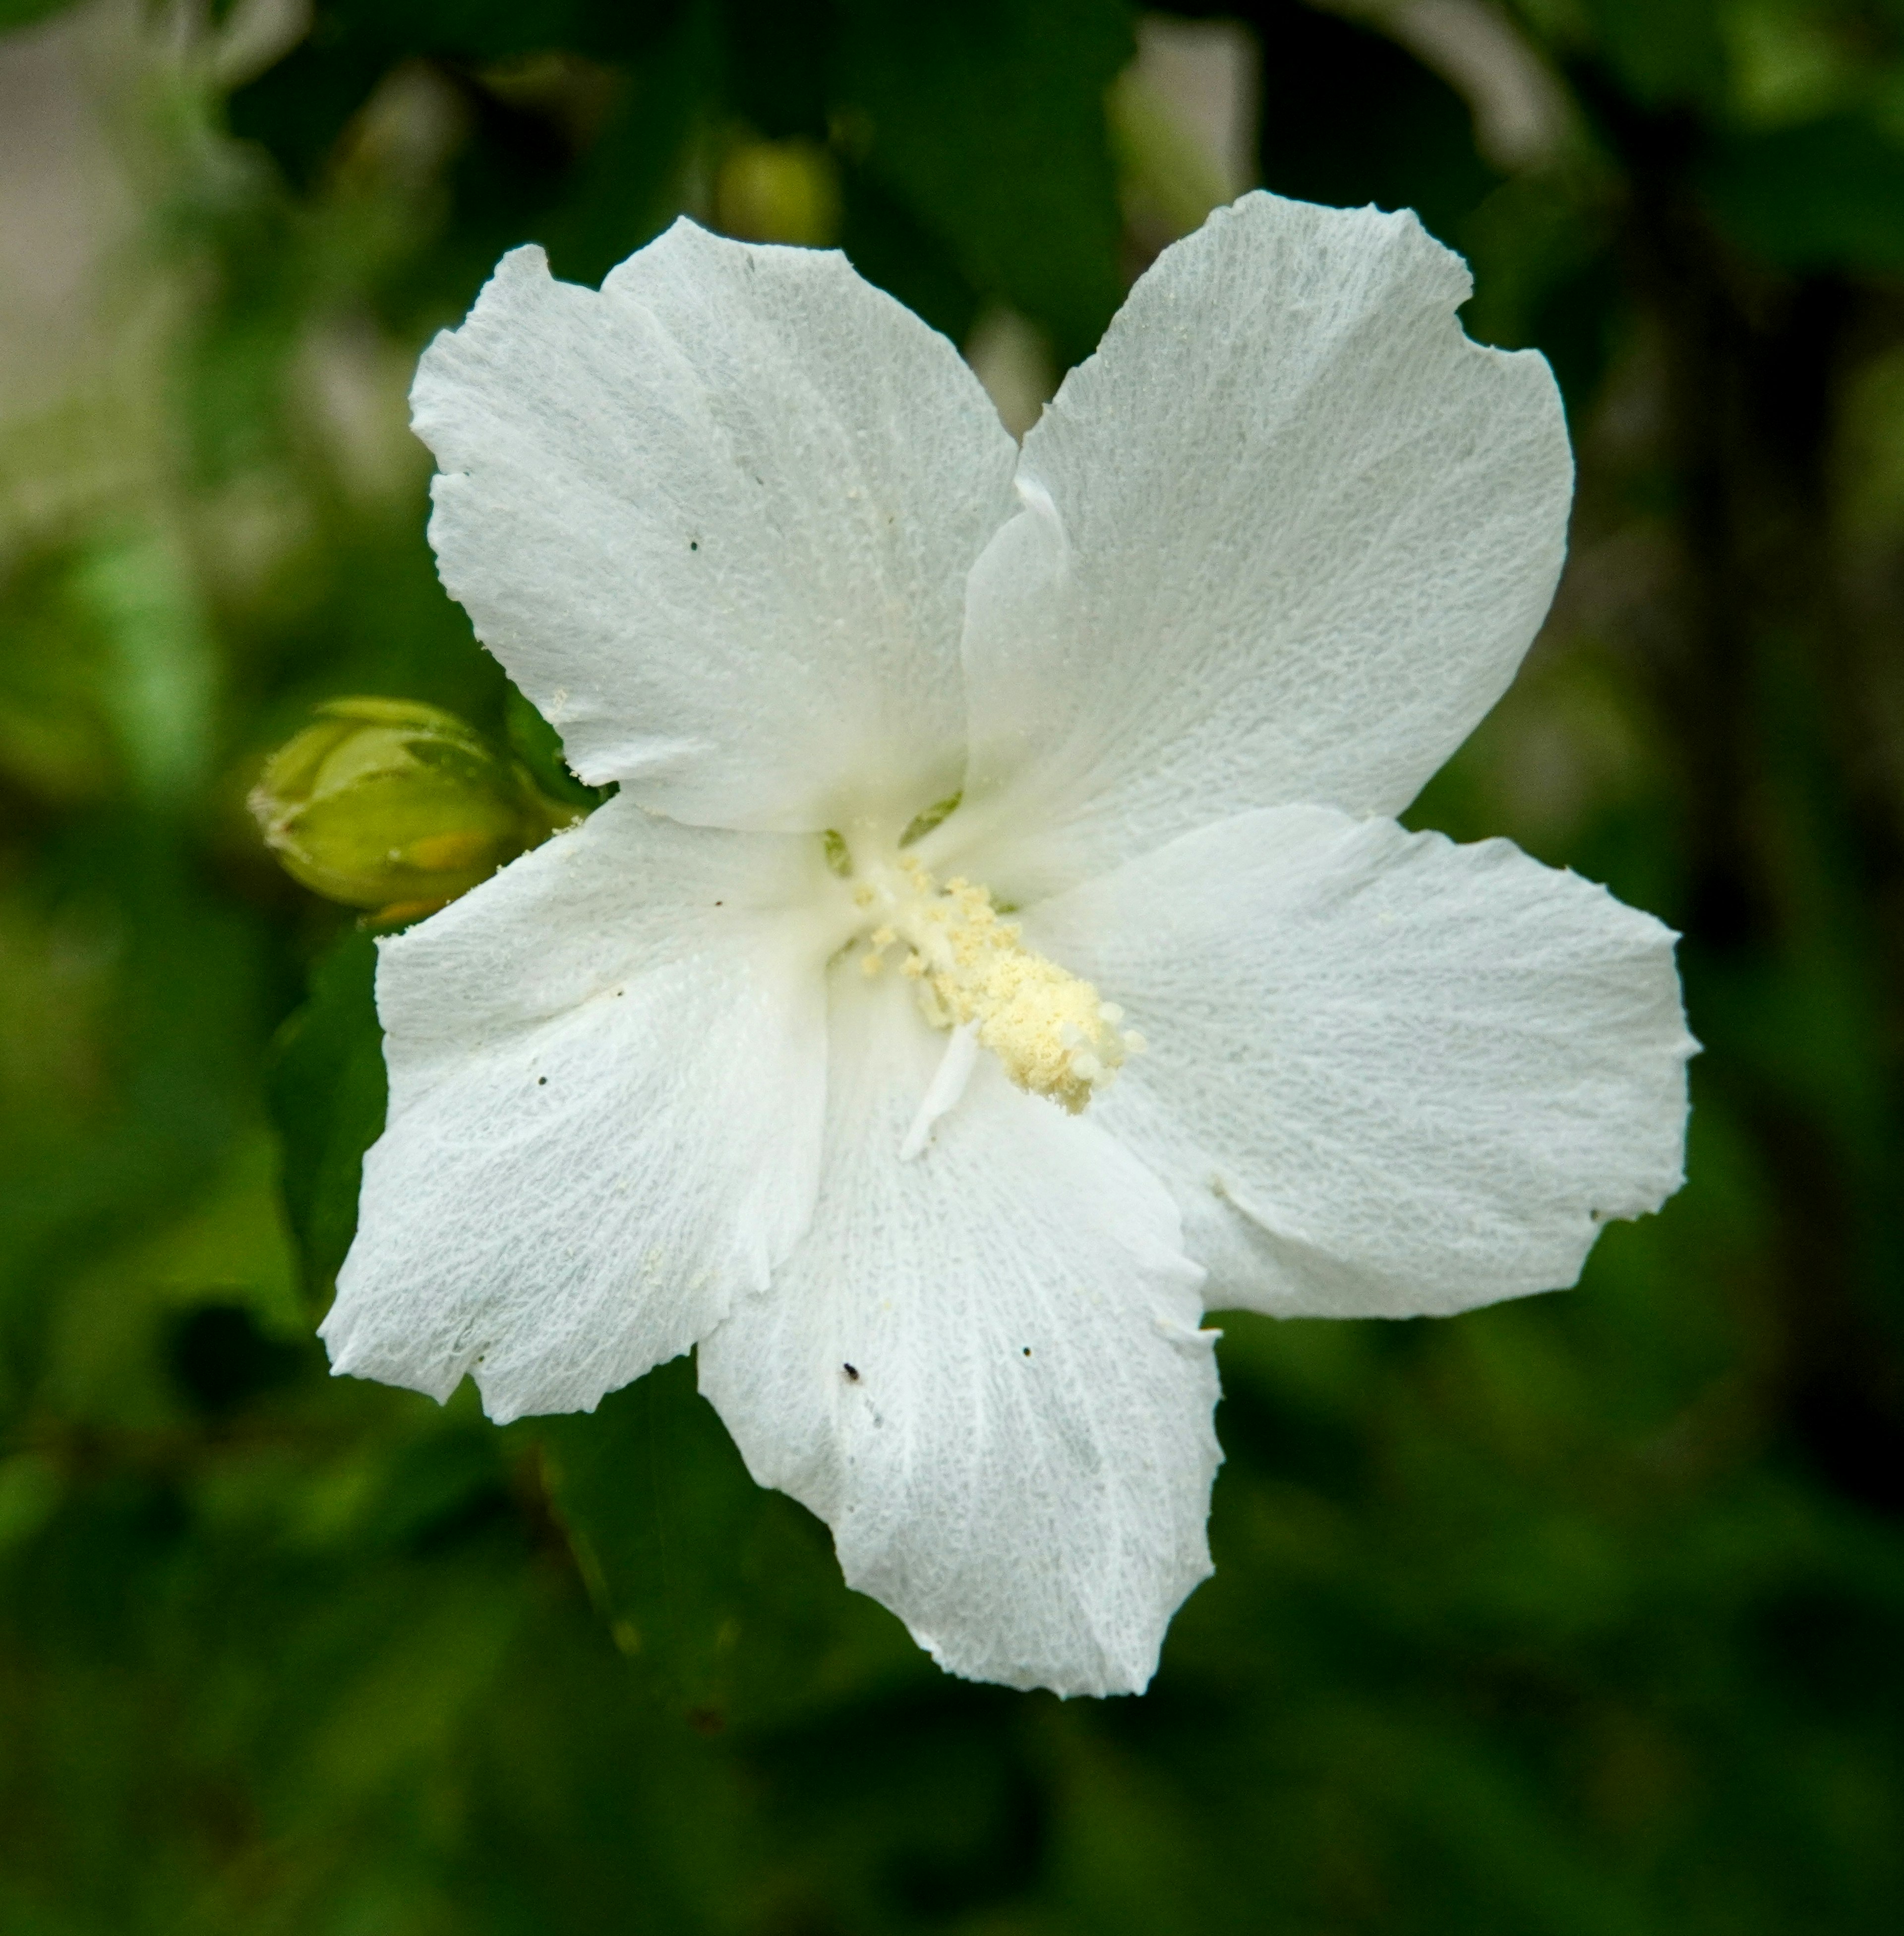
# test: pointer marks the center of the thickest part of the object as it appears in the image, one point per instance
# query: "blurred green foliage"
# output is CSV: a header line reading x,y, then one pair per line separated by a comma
x,y
1576,1616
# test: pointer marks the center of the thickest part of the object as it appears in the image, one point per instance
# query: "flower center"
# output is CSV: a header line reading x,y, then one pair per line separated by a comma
x,y
1054,1035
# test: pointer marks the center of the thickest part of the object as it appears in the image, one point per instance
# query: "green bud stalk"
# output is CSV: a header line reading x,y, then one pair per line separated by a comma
x,y
391,805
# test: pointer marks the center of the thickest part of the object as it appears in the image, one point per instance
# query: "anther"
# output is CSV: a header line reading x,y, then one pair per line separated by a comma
x,y
1049,1028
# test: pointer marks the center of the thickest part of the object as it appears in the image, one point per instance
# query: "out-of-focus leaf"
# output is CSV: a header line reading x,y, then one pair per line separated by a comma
x,y
889,244
109,653
1791,60
23,12
1348,118
1662,50
161,673
216,1278
57,741
129,1032
29,1493
725,1595
986,117
776,56
629,184
1542,280
328,1095
299,108
1829,195
222,1358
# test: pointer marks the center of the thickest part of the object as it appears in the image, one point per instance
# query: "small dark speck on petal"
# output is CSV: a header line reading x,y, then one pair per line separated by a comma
x,y
1028,1350
542,1081
693,544
720,904
852,1375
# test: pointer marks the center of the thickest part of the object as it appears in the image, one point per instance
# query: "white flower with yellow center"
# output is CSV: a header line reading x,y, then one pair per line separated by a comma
x,y
1000,949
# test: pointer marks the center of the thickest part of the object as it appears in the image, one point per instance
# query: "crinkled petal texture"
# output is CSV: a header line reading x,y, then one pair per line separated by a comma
x,y
983,1368
1386,1074
1285,537
716,520
607,1084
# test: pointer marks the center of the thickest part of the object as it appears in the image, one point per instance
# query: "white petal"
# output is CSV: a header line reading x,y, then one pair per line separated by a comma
x,y
1385,1075
983,1369
717,521
1285,537
608,1083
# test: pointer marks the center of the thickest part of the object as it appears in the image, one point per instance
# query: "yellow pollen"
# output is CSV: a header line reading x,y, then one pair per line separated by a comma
x,y
1054,1034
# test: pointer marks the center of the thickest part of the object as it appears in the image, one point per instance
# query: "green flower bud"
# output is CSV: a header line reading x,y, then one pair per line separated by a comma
x,y
395,806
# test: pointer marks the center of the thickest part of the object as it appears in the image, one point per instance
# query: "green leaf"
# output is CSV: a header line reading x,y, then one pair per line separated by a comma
x,y
986,119
1827,195
725,1596
627,187
1663,51
24,13
328,1094
1349,118
160,664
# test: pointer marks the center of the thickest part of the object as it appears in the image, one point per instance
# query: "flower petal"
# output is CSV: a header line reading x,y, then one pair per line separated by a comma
x,y
983,1369
1385,1075
607,1081
716,520
1285,537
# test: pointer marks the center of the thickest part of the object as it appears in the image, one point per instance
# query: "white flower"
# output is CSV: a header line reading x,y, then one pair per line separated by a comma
x,y
735,1064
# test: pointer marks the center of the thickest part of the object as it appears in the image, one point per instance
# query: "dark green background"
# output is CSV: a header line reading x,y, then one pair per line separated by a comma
x,y
1580,1616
